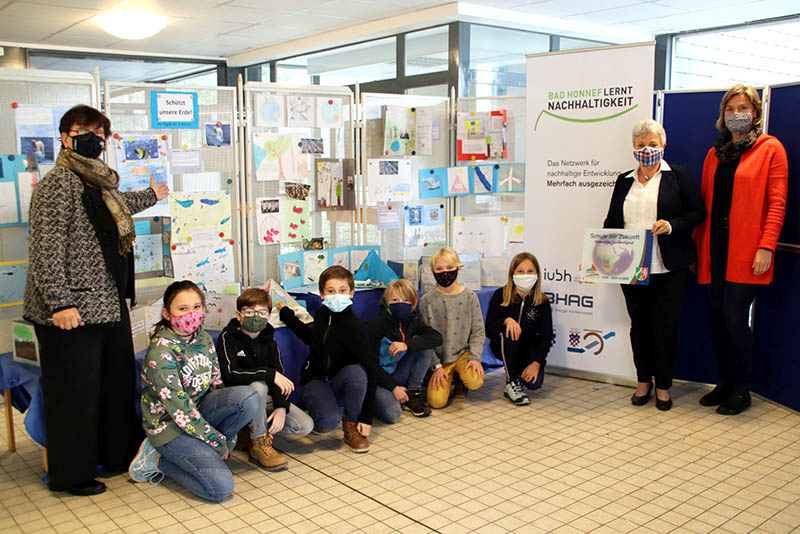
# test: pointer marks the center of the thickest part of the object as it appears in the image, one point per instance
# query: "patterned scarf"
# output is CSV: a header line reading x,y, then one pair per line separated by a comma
x,y
96,173
728,152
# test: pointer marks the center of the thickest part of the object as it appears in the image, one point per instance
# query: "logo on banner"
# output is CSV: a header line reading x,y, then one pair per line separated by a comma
x,y
617,99
590,341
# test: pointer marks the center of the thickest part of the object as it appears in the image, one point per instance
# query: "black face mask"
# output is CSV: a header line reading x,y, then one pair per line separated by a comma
x,y
88,145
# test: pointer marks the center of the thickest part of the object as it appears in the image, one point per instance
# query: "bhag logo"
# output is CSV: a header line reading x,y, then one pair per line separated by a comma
x,y
571,299
593,341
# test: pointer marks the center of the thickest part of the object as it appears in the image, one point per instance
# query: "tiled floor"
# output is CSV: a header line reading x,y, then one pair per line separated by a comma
x,y
580,458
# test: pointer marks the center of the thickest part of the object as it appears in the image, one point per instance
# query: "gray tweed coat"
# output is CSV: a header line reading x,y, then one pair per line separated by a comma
x,y
66,266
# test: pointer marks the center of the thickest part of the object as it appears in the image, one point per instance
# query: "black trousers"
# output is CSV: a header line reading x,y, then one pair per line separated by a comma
x,y
89,392
730,313
655,312
516,356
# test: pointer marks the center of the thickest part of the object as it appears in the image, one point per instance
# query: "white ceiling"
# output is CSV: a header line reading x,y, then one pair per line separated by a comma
x,y
223,28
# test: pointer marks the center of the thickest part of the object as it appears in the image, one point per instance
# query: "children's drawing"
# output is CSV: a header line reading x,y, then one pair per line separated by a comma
x,y
341,257
13,275
482,178
137,178
329,112
481,135
399,131
510,178
297,191
457,181
273,158
269,111
204,264
269,223
299,111
220,307
148,255
480,236
278,294
301,160
41,147
296,220
330,184
311,145
218,135
291,269
37,130
201,217
388,180
138,150
432,215
314,262
432,182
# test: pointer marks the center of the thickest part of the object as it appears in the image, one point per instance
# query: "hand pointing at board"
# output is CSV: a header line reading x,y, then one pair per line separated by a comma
x,y
161,190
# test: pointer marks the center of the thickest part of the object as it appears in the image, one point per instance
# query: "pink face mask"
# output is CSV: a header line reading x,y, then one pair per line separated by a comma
x,y
187,323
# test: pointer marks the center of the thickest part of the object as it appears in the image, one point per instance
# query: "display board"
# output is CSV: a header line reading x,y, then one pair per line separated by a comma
x,y
300,180
31,104
187,138
784,108
403,134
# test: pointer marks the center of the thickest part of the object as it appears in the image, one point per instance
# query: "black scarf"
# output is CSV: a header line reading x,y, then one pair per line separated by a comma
x,y
728,152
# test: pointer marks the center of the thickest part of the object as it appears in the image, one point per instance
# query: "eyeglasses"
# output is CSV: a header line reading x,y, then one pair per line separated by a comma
x,y
98,132
252,313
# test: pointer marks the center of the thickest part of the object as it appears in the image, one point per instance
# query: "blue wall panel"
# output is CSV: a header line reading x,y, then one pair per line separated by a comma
x,y
784,112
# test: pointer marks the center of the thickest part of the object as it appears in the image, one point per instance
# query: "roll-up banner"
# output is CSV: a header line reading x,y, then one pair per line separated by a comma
x,y
582,106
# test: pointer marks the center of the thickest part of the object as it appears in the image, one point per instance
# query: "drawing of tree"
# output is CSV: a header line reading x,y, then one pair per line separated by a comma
x,y
276,150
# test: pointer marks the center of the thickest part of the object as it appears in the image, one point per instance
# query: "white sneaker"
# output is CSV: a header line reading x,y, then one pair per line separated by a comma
x,y
514,392
144,467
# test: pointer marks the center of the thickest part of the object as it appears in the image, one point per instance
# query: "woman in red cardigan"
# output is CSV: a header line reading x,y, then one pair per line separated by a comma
x,y
744,187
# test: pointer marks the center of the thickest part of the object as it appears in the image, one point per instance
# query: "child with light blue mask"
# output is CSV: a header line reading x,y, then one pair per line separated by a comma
x,y
340,366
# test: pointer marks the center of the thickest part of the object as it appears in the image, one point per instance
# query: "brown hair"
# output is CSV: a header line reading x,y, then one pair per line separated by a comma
x,y
171,292
402,287
253,297
335,272
84,116
752,95
510,294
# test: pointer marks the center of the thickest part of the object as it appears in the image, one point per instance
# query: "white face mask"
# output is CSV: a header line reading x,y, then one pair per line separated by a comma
x,y
525,282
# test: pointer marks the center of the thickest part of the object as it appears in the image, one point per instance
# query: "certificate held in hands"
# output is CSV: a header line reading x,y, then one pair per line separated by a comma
x,y
616,256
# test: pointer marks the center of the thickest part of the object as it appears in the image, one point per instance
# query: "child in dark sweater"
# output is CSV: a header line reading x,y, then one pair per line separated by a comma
x,y
249,356
339,366
403,344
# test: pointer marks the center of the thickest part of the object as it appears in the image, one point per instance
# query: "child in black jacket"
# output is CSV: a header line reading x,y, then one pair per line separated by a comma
x,y
519,325
249,355
339,366
403,344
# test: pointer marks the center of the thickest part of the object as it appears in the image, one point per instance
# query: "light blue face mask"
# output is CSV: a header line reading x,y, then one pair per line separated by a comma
x,y
337,303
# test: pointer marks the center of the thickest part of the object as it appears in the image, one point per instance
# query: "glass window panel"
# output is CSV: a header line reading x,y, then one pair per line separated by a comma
x,y
426,51
567,43
497,59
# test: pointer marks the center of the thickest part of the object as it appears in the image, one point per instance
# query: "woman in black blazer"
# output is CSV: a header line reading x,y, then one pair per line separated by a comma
x,y
665,199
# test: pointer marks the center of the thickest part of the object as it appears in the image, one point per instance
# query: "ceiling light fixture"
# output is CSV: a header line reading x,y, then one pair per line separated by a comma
x,y
131,23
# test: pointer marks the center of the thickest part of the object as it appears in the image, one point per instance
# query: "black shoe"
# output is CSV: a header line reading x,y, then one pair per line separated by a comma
x,y
735,404
662,405
716,396
82,489
644,399
417,404
459,389
112,471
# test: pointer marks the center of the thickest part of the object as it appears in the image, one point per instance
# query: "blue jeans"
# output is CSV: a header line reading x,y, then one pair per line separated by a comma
x,y
321,397
410,372
197,466
297,422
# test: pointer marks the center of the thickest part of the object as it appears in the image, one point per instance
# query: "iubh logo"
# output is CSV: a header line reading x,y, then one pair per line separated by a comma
x,y
593,341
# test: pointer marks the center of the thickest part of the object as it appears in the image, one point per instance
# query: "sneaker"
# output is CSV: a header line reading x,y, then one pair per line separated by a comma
x,y
514,392
144,467
262,453
417,404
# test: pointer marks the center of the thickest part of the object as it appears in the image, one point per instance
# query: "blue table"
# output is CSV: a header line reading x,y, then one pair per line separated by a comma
x,y
19,383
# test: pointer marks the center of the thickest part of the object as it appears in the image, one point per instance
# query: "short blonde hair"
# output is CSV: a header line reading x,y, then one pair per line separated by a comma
x,y
402,287
737,90
447,254
648,126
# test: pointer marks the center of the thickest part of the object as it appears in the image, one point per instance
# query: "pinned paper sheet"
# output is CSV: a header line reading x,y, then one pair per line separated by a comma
x,y
470,275
273,157
300,111
399,131
481,135
151,249
296,220
458,181
200,218
291,267
494,271
432,182
38,130
424,131
481,236
220,309
329,112
13,276
388,180
269,222
510,178
341,257
482,178
218,135
314,262
270,110
186,161
204,263
390,219
329,176
278,294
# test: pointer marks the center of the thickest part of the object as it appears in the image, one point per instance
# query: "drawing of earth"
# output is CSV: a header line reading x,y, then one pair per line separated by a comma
x,y
270,112
612,259
330,112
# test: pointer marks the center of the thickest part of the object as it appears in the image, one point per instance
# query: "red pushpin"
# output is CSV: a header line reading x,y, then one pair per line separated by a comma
x,y
389,207
164,137
174,247
219,123
117,136
14,105
231,241
330,102
222,234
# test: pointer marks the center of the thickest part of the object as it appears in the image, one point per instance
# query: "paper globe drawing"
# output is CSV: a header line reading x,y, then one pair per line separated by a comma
x,y
612,259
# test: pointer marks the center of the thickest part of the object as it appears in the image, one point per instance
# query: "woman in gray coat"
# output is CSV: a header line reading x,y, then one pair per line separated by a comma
x,y
80,273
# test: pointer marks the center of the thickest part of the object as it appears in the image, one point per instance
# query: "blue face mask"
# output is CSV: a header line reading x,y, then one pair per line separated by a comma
x,y
337,303
401,310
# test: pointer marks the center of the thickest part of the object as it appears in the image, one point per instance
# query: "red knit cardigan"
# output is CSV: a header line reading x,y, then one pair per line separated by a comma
x,y
757,210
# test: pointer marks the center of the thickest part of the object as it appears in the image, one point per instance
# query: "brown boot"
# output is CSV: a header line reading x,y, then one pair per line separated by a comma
x,y
262,453
243,440
354,440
